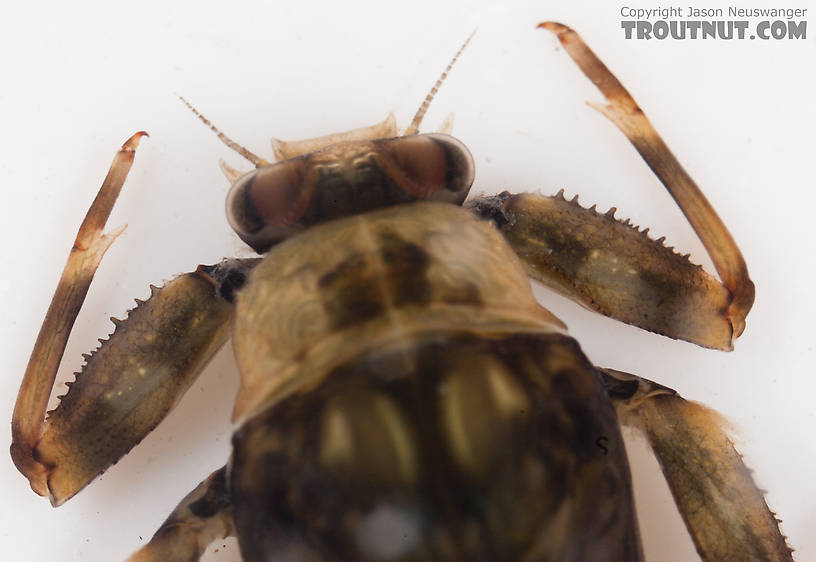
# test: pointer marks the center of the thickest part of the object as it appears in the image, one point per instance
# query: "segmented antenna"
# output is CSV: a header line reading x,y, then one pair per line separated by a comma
x,y
413,128
256,160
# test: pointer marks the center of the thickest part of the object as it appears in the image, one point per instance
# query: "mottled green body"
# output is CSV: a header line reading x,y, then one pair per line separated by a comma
x,y
423,406
403,396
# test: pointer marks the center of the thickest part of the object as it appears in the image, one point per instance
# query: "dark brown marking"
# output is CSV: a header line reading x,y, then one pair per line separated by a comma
x,y
350,293
358,289
407,267
229,275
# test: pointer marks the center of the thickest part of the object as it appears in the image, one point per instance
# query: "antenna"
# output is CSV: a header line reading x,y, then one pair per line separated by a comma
x,y
256,160
413,128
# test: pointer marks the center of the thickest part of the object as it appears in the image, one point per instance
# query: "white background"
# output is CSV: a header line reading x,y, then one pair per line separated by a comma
x,y
78,79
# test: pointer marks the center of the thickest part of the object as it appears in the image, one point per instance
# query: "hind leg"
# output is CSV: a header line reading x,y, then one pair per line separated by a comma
x,y
203,516
723,509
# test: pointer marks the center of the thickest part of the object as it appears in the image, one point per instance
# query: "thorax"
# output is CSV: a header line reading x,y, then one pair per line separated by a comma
x,y
354,284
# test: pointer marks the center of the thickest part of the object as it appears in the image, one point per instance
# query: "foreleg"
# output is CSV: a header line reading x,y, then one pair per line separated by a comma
x,y
611,267
608,265
89,247
134,379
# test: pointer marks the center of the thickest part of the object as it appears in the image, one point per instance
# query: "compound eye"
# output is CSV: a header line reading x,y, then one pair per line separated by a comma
x,y
433,166
271,197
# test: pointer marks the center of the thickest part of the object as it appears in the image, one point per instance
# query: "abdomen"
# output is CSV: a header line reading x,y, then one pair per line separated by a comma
x,y
448,446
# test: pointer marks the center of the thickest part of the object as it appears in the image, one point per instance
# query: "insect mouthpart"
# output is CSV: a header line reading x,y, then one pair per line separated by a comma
x,y
272,203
